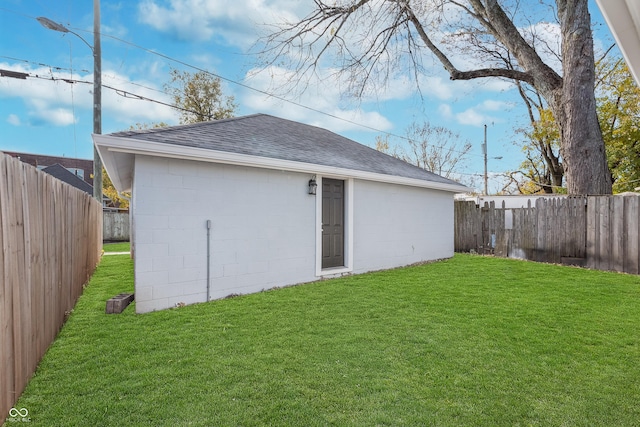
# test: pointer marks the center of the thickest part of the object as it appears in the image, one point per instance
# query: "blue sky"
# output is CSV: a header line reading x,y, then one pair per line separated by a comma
x,y
40,115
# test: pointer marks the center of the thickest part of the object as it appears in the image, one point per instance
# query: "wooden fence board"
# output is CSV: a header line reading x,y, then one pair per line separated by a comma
x,y
618,243
600,232
16,236
50,243
116,226
632,251
604,232
7,386
545,210
580,213
592,232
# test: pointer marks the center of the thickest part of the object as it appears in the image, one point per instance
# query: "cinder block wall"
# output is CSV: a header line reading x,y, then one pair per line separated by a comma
x,y
396,225
262,232
264,228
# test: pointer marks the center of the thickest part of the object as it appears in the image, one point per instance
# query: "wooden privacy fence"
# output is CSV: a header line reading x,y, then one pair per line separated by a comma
x,y
599,232
115,226
51,239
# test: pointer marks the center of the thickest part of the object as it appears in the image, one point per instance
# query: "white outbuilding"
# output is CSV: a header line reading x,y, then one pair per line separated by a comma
x,y
249,203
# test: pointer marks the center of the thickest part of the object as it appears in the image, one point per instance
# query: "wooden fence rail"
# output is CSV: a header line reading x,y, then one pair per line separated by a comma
x,y
599,232
51,239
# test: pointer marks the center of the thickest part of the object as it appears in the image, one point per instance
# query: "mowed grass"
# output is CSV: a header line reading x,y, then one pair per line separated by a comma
x,y
116,247
471,341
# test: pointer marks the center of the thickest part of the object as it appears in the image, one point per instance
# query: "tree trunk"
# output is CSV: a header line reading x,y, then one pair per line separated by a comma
x,y
585,162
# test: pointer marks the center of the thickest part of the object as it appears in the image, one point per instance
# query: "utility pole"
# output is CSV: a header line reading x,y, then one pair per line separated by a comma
x,y
484,152
97,87
97,100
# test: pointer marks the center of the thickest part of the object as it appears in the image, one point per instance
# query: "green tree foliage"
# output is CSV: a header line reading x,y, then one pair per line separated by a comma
x,y
541,172
143,126
199,97
619,113
119,200
618,107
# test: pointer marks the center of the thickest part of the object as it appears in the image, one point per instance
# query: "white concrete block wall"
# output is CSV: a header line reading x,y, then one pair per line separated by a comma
x,y
262,230
397,225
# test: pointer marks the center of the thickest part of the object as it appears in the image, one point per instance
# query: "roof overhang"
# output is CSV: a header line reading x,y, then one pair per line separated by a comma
x,y
623,18
118,157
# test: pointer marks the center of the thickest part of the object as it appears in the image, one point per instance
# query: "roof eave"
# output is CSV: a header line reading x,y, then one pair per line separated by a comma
x,y
108,146
623,19
119,168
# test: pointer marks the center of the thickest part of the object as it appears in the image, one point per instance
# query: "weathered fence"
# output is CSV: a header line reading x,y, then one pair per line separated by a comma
x,y
51,238
115,226
599,232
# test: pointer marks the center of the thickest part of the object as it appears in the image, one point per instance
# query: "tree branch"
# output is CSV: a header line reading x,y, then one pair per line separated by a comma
x,y
454,73
492,72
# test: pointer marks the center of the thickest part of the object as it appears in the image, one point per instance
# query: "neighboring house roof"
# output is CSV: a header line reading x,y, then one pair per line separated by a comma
x,y
60,172
623,18
264,141
42,160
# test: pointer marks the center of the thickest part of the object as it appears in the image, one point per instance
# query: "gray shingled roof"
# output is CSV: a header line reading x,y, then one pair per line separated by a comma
x,y
63,174
268,136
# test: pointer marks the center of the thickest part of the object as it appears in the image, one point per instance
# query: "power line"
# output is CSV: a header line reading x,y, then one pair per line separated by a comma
x,y
56,68
178,61
212,74
244,85
263,92
131,95
40,64
121,92
135,84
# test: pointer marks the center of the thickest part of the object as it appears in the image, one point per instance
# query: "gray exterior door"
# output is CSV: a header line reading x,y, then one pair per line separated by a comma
x,y
332,223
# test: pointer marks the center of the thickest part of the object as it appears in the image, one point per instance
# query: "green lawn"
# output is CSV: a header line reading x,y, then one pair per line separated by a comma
x,y
116,247
472,341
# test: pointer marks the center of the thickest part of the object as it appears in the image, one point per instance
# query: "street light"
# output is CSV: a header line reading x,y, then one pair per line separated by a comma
x,y
97,87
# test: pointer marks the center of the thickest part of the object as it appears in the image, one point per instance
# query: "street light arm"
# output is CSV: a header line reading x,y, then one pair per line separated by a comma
x,y
52,25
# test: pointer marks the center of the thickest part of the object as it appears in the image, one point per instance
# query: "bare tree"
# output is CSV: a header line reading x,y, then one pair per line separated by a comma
x,y
373,40
433,148
436,149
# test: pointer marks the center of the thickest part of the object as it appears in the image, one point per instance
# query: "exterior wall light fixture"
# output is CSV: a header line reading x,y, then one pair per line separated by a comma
x,y
313,186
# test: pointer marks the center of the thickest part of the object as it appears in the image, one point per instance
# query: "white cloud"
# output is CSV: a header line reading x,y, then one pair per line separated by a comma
x,y
471,117
445,111
54,102
55,116
187,22
42,98
321,96
201,20
14,120
438,87
483,113
493,105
